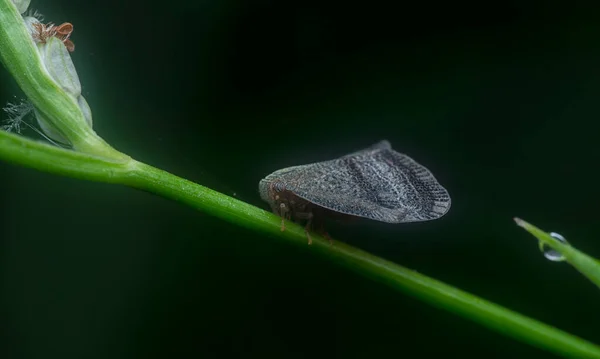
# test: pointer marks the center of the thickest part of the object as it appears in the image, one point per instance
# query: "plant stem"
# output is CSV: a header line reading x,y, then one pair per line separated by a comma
x,y
28,153
430,290
47,158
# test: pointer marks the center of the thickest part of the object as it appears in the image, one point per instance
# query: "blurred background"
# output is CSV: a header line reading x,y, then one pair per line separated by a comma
x,y
498,100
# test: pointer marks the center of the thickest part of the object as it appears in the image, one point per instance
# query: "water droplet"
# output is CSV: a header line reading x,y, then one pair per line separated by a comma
x,y
550,253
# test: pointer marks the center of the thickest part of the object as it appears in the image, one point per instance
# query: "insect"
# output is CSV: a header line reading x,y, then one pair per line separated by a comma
x,y
376,183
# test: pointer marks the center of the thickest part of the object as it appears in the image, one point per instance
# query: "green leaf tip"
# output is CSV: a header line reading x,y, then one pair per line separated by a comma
x,y
586,265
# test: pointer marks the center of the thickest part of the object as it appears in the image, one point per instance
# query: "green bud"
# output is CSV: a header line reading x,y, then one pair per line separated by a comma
x,y
37,56
85,108
47,129
21,5
52,133
30,23
60,66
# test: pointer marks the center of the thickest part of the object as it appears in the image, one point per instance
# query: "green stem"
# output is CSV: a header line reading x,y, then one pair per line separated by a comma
x,y
46,158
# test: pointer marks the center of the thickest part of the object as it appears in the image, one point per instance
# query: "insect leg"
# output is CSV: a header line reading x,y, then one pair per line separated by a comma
x,y
283,213
328,238
308,236
308,216
324,233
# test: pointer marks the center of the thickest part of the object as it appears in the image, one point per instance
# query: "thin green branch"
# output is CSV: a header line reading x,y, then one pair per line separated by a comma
x,y
47,158
37,155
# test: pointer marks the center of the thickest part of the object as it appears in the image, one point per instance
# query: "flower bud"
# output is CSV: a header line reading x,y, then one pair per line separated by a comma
x,y
59,66
30,23
85,108
47,128
21,5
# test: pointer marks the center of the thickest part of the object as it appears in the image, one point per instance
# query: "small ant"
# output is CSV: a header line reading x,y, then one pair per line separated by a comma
x,y
61,32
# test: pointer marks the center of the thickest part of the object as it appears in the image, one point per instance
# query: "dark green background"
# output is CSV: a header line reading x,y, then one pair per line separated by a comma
x,y
499,100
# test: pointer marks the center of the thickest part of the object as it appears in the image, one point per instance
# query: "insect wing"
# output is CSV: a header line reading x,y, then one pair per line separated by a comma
x,y
376,183
381,145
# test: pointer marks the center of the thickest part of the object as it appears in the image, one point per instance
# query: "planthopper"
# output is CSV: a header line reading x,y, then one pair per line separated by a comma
x,y
376,183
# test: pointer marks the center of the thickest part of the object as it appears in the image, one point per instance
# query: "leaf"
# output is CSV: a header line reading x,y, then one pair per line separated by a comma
x,y
586,265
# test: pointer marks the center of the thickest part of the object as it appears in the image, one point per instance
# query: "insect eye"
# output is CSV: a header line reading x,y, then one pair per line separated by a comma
x,y
278,187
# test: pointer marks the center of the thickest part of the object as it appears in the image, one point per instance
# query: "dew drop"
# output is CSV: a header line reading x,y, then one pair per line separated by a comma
x,y
550,253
